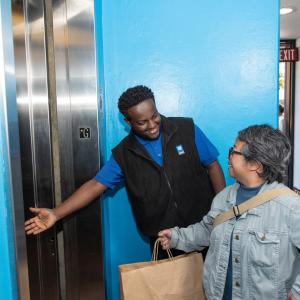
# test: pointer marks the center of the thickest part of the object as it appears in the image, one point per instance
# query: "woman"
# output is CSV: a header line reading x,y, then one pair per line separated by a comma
x,y
254,255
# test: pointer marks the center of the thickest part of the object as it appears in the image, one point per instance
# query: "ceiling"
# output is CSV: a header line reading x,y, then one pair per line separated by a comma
x,y
290,24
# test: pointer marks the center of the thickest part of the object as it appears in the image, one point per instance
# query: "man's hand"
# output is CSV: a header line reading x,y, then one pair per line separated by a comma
x,y
290,296
44,219
165,238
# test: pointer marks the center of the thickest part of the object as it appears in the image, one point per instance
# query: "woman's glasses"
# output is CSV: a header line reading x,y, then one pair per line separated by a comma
x,y
232,151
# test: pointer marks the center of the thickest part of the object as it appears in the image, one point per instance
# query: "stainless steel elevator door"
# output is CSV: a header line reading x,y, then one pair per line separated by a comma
x,y
58,119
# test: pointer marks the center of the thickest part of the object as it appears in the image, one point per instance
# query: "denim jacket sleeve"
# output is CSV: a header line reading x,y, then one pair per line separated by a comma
x,y
197,236
295,239
193,237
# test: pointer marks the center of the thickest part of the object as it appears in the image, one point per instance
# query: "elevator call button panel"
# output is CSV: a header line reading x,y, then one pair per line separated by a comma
x,y
84,132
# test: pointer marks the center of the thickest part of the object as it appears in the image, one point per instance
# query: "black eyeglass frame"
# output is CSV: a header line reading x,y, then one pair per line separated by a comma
x,y
232,151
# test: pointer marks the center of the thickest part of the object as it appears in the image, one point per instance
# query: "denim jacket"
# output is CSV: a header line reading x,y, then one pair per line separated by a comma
x,y
265,247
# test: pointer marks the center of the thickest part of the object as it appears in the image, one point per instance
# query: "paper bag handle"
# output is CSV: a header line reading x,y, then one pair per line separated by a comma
x,y
155,251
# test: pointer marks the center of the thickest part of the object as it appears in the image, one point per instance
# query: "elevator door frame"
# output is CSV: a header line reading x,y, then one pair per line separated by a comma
x,y
289,105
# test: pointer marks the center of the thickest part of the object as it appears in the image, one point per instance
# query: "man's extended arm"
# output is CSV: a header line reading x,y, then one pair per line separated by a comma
x,y
46,218
216,176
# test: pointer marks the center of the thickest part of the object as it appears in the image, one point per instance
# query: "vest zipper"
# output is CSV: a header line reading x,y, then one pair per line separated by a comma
x,y
169,185
164,172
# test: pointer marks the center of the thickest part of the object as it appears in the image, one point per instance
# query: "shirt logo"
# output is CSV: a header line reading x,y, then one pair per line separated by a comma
x,y
180,149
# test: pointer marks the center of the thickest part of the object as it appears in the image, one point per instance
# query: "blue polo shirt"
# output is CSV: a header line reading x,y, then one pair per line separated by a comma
x,y
111,174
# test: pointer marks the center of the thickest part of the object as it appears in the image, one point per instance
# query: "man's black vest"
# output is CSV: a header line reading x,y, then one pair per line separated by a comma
x,y
177,194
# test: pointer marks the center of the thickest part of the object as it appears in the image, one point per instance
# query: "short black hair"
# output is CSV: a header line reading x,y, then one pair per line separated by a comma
x,y
134,96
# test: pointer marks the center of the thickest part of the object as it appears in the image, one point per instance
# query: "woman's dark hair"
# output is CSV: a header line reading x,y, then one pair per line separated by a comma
x,y
268,146
134,96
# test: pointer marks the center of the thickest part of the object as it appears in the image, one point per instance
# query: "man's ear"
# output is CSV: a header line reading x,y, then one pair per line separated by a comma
x,y
127,121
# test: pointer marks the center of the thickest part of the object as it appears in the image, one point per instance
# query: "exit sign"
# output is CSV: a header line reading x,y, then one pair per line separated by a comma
x,y
288,54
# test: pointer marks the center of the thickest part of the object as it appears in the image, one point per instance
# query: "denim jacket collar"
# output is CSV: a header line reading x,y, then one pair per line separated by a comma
x,y
231,197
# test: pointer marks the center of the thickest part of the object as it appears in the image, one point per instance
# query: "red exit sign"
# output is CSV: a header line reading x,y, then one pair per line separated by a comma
x,y
288,55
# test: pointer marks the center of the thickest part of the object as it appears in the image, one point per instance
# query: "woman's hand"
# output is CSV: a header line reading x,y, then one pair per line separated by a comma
x,y
165,238
290,296
44,219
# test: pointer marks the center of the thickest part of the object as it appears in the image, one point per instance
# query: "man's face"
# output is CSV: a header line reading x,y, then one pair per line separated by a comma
x,y
144,119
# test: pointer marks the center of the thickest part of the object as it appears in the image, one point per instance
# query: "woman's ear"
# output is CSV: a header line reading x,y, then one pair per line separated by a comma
x,y
256,166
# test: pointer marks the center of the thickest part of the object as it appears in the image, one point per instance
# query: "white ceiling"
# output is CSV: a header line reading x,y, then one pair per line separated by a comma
x,y
290,24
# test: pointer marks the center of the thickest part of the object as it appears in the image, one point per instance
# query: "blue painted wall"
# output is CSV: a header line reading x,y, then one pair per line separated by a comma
x,y
215,61
8,277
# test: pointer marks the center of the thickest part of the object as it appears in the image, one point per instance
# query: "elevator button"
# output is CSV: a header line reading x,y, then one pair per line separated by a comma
x,y
84,133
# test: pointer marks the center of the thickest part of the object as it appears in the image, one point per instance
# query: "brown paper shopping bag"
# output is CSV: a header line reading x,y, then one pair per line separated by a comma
x,y
178,278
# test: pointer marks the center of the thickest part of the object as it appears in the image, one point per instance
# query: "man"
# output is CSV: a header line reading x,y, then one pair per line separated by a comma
x,y
169,167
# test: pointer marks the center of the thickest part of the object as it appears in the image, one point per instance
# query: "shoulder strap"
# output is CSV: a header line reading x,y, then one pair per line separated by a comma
x,y
255,201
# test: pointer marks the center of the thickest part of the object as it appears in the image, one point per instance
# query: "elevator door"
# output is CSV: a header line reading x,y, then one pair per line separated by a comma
x,y
58,119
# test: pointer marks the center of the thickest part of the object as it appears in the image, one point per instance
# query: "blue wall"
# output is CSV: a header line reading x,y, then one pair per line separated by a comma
x,y
8,278
215,61
8,283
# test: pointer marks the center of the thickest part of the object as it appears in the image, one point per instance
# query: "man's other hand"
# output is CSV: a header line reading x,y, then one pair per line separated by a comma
x,y
44,219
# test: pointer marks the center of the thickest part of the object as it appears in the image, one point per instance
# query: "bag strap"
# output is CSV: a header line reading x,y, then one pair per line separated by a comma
x,y
238,210
155,251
